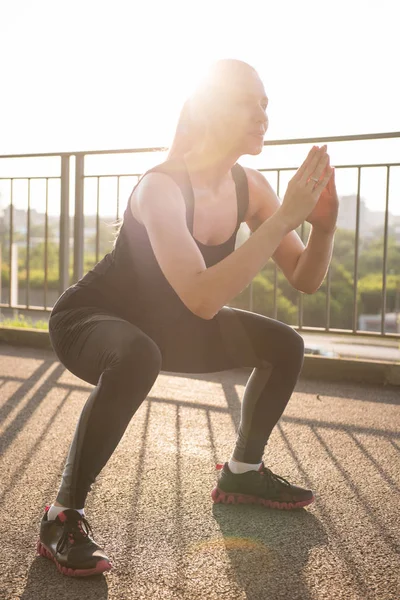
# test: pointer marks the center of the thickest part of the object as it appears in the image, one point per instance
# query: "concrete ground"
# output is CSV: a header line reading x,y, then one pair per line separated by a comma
x,y
151,506
356,346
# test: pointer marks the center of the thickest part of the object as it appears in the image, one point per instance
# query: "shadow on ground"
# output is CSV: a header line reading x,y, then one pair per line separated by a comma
x,y
44,582
268,550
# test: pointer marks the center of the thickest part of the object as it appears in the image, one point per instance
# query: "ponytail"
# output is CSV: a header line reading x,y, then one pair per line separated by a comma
x,y
190,129
183,139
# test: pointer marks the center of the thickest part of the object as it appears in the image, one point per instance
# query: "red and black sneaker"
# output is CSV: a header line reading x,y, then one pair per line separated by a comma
x,y
66,541
259,487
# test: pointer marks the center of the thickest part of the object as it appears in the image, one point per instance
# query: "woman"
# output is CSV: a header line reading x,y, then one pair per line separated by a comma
x,y
158,301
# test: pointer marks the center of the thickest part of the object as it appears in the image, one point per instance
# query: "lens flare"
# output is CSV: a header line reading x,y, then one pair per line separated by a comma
x,y
229,543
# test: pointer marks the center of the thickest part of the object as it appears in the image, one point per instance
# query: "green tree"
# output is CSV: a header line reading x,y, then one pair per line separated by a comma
x,y
106,241
263,300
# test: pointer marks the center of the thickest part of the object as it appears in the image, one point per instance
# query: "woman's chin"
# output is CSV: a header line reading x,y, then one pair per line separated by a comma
x,y
254,149
255,145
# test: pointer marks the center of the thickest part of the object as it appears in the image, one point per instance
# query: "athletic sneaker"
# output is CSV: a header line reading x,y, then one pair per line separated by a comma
x,y
66,541
259,487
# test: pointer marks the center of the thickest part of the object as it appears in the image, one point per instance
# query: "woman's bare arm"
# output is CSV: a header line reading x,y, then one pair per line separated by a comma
x,y
203,290
206,290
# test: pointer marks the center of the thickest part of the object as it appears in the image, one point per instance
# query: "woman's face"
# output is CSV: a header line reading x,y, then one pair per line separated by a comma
x,y
238,117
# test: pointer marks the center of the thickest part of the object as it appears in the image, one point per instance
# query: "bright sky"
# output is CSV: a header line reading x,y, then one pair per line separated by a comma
x,y
93,74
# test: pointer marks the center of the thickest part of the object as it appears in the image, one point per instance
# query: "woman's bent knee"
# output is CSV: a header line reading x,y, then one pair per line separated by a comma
x,y
285,347
297,341
293,343
292,357
139,353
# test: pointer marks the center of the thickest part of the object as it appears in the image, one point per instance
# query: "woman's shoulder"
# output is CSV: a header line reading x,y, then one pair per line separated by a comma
x,y
261,192
253,176
167,173
257,181
159,183
168,166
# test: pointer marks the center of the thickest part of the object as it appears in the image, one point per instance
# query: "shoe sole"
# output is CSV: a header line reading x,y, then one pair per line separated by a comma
x,y
221,497
101,567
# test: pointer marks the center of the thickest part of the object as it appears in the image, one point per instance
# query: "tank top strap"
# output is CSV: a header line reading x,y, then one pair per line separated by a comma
x,y
242,191
177,170
181,176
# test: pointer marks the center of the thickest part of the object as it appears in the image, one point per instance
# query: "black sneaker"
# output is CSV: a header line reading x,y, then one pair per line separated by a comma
x,y
259,487
66,541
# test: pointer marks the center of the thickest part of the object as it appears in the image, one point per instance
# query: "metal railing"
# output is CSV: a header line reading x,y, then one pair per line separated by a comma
x,y
73,176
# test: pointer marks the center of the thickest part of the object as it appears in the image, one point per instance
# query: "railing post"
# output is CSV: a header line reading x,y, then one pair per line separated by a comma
x,y
356,251
385,252
79,217
300,297
64,226
275,313
251,296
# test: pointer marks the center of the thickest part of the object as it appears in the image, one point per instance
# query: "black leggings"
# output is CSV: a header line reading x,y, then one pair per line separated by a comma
x,y
123,362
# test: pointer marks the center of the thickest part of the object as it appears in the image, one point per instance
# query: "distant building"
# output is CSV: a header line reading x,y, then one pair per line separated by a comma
x,y
373,322
370,221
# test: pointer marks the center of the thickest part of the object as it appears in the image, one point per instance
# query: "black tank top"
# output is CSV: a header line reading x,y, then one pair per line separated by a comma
x,y
128,282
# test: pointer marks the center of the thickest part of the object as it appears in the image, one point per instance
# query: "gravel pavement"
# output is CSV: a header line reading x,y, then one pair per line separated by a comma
x,y
151,507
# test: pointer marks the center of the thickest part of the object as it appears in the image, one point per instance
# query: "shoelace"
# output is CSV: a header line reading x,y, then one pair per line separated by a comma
x,y
75,532
273,478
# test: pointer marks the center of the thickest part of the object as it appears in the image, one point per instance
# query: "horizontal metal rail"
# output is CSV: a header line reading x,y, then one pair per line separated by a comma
x,y
281,142
72,248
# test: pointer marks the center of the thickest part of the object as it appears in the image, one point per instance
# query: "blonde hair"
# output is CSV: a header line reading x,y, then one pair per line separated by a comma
x,y
196,115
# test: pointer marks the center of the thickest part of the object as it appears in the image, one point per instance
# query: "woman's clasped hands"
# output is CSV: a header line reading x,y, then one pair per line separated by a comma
x,y
311,194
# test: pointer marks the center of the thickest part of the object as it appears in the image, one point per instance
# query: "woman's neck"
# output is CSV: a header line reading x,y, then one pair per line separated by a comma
x,y
208,170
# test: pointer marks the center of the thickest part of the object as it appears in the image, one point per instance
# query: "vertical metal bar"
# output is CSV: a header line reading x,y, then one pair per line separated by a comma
x,y
300,297
275,313
11,240
79,217
28,243
251,291
251,297
64,225
46,244
118,192
385,252
328,297
98,220
328,300
356,242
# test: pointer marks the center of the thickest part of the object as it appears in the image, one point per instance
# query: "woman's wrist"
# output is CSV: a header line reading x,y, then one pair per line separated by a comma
x,y
281,221
324,231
